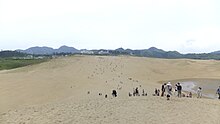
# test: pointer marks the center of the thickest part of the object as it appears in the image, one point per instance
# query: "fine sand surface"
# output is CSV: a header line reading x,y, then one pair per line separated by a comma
x,y
57,91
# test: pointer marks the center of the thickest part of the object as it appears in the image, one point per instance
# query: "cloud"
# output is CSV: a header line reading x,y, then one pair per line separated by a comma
x,y
167,24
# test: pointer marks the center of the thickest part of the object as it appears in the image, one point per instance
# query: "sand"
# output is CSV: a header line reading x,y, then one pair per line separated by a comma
x,y
57,91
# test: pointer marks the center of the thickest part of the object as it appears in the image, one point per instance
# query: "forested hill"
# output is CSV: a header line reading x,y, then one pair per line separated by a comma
x,y
151,52
9,54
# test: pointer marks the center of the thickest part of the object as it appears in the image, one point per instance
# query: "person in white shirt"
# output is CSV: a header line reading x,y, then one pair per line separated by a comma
x,y
199,92
169,90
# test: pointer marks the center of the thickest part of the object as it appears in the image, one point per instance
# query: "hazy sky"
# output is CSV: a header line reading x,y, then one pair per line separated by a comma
x,y
183,25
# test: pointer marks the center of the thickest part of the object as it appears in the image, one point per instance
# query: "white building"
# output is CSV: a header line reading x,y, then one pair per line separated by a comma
x,y
106,52
86,52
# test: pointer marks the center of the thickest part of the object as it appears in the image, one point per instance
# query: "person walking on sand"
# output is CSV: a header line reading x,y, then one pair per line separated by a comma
x,y
114,93
169,88
163,89
143,92
155,92
218,92
137,92
175,89
199,92
158,92
179,90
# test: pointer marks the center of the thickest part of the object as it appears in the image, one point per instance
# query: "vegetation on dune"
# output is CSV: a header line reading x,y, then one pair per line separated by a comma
x,y
14,59
16,63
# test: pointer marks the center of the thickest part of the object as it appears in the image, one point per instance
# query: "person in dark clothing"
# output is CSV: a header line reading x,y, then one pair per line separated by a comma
x,y
129,94
158,92
155,92
143,92
137,92
163,90
168,96
179,90
218,92
114,93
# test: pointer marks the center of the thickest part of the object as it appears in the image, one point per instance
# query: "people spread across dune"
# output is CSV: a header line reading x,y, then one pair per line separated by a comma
x,y
156,92
137,93
166,90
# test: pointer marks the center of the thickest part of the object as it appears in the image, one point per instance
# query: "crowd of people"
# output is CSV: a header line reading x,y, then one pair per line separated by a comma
x,y
167,90
136,92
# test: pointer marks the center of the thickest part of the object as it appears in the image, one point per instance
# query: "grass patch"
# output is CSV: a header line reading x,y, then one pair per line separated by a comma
x,y
6,64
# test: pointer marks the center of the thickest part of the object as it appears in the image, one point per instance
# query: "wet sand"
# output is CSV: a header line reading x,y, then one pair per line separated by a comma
x,y
209,86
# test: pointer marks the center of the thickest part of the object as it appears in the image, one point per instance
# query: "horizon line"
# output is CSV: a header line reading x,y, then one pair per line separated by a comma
x,y
113,49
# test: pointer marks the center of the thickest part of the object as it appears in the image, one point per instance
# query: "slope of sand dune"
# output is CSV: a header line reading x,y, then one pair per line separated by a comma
x,y
65,90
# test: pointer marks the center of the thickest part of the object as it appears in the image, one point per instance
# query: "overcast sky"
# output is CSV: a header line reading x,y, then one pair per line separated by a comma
x,y
183,25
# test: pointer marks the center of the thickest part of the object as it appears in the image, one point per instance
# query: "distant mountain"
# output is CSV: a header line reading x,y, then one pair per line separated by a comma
x,y
120,50
154,52
151,52
216,53
66,49
49,50
38,50
174,54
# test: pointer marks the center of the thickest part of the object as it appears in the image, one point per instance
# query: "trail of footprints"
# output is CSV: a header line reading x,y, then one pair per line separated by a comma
x,y
105,67
55,113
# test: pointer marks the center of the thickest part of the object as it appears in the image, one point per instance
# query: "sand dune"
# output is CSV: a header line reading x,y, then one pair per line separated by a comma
x,y
57,91
133,110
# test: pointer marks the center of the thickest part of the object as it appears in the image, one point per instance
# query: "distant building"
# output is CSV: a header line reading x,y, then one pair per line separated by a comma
x,y
86,52
26,57
40,57
103,52
54,56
